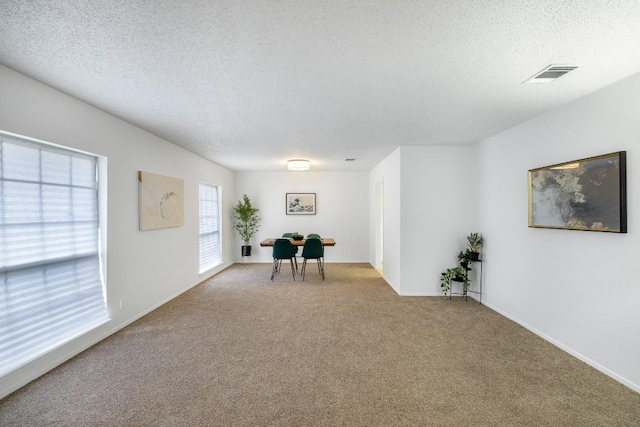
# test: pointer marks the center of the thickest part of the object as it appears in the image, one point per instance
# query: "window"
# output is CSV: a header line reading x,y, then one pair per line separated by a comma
x,y
51,287
210,251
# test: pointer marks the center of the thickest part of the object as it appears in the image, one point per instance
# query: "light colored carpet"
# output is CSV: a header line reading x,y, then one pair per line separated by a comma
x,y
240,350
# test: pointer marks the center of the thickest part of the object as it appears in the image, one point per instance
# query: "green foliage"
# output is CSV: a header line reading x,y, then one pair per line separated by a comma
x,y
297,236
463,257
246,219
458,272
475,242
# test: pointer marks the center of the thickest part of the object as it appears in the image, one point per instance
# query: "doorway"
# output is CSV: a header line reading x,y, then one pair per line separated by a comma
x,y
379,227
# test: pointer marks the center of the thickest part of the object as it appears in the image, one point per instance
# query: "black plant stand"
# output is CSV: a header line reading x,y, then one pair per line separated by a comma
x,y
465,292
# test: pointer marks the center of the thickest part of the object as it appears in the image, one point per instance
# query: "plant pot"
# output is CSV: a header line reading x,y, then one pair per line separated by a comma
x,y
474,256
246,250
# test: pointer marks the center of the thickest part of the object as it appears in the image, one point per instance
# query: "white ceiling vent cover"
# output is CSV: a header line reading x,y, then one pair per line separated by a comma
x,y
550,73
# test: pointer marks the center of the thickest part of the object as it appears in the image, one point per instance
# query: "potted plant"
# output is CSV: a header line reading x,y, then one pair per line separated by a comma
x,y
246,221
297,236
457,274
475,242
463,259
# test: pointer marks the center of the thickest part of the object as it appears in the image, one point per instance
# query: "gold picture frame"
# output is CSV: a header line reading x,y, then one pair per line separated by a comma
x,y
587,194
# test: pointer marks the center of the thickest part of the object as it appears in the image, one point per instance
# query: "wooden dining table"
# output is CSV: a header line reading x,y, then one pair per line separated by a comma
x,y
327,241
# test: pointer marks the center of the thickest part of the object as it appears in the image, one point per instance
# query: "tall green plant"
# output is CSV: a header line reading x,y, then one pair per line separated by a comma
x,y
246,219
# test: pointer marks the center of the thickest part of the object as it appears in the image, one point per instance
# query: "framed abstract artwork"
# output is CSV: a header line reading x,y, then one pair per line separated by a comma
x,y
161,201
587,194
301,203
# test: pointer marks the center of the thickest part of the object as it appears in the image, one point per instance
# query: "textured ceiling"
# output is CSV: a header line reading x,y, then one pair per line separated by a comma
x,y
250,84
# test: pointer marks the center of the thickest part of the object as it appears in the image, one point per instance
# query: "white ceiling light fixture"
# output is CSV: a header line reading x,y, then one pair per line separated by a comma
x,y
298,165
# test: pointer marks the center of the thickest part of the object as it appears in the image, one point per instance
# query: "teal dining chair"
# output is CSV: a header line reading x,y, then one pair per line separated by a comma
x,y
289,236
313,249
283,249
313,236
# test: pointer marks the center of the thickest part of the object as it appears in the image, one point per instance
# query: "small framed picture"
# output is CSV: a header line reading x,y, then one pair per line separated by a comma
x,y
301,203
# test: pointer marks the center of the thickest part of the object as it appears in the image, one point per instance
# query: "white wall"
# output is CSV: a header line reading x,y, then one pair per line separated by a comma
x,y
439,209
387,172
146,268
430,205
580,290
342,200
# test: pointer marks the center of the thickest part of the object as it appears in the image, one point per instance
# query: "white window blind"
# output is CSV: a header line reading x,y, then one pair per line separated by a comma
x,y
210,251
51,286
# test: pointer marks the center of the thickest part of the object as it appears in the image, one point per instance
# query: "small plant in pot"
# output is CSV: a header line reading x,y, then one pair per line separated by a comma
x,y
457,274
463,259
474,242
297,236
246,221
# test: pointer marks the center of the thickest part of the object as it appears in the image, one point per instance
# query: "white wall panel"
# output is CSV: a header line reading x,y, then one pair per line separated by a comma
x,y
439,209
342,211
579,289
145,268
387,174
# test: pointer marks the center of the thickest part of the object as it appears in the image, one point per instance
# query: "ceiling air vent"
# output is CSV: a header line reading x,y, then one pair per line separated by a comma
x,y
550,73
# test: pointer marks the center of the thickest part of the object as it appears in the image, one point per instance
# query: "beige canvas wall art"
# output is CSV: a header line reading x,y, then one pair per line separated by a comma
x,y
161,201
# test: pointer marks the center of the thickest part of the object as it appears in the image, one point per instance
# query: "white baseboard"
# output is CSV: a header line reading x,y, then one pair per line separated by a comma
x,y
620,379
